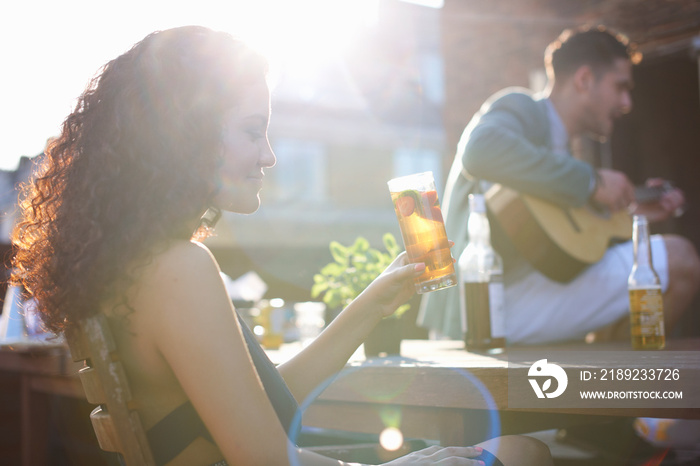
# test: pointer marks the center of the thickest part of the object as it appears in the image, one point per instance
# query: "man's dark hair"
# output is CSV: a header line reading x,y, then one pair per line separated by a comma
x,y
597,47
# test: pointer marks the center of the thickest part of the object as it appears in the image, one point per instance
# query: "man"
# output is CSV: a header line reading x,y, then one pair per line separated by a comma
x,y
522,141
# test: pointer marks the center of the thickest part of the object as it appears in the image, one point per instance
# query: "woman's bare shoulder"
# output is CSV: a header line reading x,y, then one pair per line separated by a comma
x,y
183,272
184,260
181,252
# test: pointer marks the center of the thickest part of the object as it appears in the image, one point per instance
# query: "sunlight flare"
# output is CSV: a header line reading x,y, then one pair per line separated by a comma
x,y
306,32
391,439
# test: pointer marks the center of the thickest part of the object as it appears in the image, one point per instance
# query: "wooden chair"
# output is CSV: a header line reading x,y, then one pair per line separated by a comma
x,y
116,422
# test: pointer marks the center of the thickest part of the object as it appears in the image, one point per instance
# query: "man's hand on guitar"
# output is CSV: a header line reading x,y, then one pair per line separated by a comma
x,y
613,190
670,202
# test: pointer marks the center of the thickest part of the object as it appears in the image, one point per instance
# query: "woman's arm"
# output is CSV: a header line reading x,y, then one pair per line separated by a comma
x,y
329,352
192,323
189,316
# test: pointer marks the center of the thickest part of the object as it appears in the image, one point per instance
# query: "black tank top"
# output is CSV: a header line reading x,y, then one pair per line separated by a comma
x,y
172,434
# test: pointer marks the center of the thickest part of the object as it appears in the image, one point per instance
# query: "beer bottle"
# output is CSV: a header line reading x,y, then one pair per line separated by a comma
x,y
646,300
481,283
271,322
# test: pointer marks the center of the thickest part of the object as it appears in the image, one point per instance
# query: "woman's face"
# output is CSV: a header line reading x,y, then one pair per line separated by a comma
x,y
246,152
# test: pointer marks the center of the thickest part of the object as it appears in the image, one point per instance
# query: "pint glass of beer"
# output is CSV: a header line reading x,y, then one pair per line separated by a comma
x,y
423,230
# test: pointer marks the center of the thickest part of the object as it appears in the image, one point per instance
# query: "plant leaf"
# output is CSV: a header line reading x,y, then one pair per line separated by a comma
x,y
391,245
333,298
375,256
361,245
318,288
358,260
339,252
333,269
353,269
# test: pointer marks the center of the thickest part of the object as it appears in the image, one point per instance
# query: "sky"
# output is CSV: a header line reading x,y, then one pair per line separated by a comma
x,y
49,49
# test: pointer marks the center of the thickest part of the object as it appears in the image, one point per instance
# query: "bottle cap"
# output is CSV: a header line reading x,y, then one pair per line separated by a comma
x,y
477,203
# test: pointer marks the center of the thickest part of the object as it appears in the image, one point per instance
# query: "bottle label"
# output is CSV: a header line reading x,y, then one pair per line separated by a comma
x,y
497,310
483,312
647,309
273,320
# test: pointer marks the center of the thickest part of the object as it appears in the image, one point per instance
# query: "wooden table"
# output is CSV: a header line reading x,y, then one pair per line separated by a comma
x,y
434,390
44,369
437,390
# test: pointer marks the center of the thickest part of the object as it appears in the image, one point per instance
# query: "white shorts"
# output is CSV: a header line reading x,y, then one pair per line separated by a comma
x,y
539,310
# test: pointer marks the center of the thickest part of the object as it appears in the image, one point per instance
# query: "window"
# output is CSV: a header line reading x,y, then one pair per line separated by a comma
x,y
433,79
416,160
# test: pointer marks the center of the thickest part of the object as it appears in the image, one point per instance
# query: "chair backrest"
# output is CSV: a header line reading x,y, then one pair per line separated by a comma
x,y
115,420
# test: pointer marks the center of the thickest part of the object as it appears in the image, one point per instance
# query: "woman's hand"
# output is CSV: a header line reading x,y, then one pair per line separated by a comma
x,y
440,455
394,286
329,352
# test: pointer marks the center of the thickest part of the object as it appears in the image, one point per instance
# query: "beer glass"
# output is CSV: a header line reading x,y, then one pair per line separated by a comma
x,y
423,230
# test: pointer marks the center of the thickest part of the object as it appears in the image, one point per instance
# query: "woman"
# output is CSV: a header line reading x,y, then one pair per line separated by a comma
x,y
173,128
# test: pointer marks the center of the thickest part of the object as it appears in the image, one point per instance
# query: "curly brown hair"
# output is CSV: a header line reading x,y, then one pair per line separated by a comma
x,y
135,165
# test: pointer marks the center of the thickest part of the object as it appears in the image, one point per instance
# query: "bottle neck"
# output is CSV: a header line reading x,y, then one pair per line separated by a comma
x,y
641,242
479,229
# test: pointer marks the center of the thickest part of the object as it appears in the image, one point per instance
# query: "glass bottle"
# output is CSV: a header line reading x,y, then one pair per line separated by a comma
x,y
646,299
271,323
481,283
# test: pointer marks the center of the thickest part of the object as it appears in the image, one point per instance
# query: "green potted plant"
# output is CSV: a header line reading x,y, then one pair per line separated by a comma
x,y
352,269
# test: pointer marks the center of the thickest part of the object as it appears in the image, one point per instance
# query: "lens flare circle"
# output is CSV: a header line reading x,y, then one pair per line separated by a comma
x,y
392,422
391,439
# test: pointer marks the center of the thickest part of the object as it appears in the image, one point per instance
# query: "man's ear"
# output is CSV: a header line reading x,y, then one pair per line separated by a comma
x,y
584,78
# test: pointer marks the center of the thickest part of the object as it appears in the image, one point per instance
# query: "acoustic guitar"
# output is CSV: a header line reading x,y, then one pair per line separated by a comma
x,y
558,241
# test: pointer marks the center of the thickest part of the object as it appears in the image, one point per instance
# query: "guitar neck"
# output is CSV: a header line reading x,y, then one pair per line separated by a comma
x,y
645,194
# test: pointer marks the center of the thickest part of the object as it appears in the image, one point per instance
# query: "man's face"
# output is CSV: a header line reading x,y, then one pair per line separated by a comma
x,y
609,98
